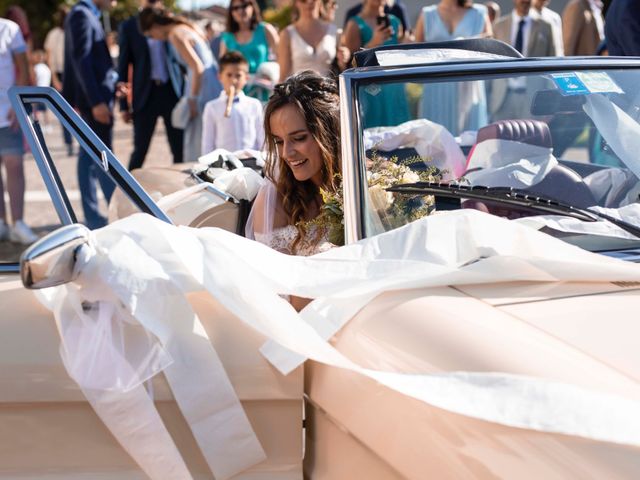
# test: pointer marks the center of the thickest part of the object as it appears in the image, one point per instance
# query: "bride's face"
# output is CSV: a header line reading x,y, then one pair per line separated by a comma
x,y
296,146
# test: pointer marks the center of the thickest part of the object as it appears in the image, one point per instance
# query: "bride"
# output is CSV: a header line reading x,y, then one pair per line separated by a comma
x,y
302,131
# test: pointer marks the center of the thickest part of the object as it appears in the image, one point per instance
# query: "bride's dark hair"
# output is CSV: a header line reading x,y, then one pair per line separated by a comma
x,y
316,98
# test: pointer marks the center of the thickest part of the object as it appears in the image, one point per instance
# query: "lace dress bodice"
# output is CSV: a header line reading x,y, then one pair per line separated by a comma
x,y
281,239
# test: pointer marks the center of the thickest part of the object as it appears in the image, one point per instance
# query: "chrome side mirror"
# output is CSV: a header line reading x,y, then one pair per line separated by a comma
x,y
51,260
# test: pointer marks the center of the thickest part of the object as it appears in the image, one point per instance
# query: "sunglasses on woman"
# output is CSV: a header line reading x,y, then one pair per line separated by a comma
x,y
241,6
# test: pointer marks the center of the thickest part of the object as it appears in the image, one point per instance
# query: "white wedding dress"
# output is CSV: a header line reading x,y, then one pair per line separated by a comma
x,y
261,226
282,239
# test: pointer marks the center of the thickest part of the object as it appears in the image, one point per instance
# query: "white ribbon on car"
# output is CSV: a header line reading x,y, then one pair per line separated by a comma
x,y
432,142
126,319
145,268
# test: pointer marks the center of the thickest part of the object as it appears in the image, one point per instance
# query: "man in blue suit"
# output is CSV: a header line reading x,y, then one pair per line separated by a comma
x,y
154,91
89,85
622,28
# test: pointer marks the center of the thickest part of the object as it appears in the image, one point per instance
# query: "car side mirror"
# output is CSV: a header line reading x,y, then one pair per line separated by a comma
x,y
51,260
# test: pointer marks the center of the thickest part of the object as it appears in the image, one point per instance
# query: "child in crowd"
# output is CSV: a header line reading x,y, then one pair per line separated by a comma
x,y
232,124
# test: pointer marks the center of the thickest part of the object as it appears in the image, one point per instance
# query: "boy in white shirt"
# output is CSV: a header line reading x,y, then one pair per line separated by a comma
x,y
240,127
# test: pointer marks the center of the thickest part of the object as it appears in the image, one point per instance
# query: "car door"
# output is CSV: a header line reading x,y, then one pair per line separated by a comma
x,y
42,412
46,425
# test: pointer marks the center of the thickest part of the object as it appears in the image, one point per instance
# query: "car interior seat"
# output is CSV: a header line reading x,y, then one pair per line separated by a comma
x,y
561,183
533,132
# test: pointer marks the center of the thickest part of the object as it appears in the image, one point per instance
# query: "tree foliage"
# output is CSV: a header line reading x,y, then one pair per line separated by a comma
x,y
40,13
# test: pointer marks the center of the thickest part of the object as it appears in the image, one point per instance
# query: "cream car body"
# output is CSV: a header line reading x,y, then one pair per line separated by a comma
x,y
578,333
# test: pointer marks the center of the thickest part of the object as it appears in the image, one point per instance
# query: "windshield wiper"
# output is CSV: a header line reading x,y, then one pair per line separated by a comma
x,y
511,196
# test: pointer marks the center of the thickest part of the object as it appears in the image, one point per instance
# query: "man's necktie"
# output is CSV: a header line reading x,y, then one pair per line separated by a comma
x,y
519,36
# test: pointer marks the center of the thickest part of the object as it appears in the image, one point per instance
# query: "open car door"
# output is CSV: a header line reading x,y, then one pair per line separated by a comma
x,y
47,427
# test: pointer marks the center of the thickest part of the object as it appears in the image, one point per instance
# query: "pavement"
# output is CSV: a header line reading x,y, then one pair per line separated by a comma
x,y
39,211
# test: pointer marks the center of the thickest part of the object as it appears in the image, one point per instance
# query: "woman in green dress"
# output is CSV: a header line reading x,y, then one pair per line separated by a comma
x,y
382,105
257,41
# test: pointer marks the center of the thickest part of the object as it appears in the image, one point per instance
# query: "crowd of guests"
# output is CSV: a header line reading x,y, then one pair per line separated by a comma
x,y
209,87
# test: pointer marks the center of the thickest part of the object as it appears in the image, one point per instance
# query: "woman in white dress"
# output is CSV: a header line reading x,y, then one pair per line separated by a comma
x,y
310,43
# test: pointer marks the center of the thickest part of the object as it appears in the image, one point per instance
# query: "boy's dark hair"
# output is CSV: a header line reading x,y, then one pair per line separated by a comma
x,y
232,57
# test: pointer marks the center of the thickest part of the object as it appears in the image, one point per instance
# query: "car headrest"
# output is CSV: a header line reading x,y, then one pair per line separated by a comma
x,y
533,132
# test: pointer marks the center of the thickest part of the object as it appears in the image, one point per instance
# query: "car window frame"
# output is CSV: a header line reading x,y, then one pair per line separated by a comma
x,y
353,169
21,100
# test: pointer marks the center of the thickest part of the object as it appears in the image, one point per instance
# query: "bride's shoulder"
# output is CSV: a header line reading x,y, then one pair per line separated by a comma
x,y
269,212
269,203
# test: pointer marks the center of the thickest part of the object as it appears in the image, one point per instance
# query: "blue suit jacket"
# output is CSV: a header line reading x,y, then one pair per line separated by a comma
x,y
89,78
622,28
134,50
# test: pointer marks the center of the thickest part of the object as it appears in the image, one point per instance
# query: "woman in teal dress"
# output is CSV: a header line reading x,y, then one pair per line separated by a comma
x,y
381,105
246,33
463,106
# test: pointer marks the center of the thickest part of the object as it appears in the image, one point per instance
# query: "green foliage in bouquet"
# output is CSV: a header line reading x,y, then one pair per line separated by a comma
x,y
394,210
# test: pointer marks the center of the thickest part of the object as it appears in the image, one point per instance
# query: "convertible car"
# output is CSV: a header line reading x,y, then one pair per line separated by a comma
x,y
516,180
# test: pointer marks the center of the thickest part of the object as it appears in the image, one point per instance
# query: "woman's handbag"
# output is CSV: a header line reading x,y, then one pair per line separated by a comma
x,y
181,113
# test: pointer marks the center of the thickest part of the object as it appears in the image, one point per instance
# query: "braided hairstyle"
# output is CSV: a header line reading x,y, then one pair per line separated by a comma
x,y
316,98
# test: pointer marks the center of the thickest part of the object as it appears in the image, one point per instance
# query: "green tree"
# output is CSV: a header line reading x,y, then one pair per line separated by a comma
x,y
40,13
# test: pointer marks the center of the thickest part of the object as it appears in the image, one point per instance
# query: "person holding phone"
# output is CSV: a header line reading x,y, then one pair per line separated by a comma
x,y
373,28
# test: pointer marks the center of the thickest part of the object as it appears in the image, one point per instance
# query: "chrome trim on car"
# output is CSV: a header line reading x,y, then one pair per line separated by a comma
x,y
351,175
216,191
353,147
88,140
486,67
51,260
632,255
225,196
17,95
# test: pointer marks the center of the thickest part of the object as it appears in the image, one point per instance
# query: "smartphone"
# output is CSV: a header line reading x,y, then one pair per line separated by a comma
x,y
383,20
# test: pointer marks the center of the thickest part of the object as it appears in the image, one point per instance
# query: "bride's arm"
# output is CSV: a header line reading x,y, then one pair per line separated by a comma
x,y
299,302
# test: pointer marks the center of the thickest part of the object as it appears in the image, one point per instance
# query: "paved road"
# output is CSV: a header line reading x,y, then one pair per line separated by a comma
x,y
39,211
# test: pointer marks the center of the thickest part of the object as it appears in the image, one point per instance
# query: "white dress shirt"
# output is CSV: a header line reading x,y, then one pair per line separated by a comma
x,y
596,10
555,20
242,129
526,30
520,83
11,42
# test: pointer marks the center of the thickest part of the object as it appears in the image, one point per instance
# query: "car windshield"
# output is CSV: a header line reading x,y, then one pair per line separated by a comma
x,y
569,136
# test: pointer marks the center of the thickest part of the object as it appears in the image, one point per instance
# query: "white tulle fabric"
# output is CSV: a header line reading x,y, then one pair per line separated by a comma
x,y
432,142
261,226
139,270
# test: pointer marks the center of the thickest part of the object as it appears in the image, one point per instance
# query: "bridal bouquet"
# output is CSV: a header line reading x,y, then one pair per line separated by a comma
x,y
393,209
